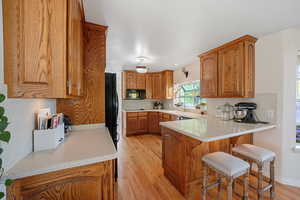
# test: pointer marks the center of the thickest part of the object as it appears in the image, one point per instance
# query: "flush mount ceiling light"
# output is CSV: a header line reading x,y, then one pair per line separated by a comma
x,y
141,68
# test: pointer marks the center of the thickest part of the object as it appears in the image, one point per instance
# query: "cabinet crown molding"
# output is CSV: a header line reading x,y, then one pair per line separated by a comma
x,y
240,39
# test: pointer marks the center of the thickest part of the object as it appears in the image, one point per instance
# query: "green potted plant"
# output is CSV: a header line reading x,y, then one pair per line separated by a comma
x,y
4,137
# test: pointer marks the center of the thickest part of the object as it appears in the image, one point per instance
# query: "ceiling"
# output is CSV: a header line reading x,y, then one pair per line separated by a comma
x,y
171,33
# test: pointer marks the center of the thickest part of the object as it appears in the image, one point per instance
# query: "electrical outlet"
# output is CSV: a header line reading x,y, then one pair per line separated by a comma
x,y
270,114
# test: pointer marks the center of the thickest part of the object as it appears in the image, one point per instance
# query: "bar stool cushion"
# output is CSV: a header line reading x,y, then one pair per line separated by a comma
x,y
226,163
254,152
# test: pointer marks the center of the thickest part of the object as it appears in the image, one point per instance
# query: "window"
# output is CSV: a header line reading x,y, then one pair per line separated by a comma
x,y
187,95
298,104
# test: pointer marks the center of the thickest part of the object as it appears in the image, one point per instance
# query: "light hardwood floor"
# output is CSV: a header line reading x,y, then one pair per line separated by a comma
x,y
141,174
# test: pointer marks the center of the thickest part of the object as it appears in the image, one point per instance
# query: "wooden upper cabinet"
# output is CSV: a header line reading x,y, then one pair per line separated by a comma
x,y
167,84
158,85
140,81
36,43
75,48
130,80
149,86
209,75
157,92
229,71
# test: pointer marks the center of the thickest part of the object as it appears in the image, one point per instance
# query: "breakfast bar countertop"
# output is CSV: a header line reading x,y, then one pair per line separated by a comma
x,y
211,128
82,147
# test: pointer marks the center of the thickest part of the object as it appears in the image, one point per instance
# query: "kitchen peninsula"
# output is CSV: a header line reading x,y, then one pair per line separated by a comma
x,y
191,139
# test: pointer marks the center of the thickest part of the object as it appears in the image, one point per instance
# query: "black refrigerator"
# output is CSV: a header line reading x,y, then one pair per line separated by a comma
x,y
112,109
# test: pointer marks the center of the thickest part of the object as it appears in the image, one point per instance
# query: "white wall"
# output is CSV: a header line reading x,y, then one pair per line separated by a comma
x,y
194,73
276,62
290,159
21,117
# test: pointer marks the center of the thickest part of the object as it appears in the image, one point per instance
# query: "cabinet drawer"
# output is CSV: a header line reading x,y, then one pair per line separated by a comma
x,y
166,116
132,114
142,114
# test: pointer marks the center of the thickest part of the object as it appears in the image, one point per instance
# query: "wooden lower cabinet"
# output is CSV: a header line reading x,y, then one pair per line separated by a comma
x,y
184,170
136,123
94,182
142,122
153,122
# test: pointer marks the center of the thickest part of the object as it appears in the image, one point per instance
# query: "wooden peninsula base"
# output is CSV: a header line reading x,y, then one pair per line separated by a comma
x,y
182,159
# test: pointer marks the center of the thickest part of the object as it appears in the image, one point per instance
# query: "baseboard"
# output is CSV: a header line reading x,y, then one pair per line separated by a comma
x,y
289,181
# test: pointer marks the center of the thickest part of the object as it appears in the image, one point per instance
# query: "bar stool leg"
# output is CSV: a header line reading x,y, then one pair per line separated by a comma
x,y
246,182
260,182
272,179
229,188
219,186
205,177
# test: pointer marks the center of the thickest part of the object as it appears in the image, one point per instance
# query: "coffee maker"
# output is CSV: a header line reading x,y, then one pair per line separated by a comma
x,y
245,113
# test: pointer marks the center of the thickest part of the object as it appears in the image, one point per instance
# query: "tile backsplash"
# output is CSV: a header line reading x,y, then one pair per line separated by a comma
x,y
266,105
137,104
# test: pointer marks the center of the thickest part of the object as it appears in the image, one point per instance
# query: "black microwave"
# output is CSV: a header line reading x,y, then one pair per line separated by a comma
x,y
135,94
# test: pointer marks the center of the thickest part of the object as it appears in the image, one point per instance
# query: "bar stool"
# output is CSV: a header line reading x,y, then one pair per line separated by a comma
x,y
261,157
228,166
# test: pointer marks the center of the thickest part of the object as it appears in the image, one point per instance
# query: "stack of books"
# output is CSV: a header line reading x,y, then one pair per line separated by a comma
x,y
46,120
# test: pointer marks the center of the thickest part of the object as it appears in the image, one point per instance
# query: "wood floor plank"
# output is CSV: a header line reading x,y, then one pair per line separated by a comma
x,y
141,174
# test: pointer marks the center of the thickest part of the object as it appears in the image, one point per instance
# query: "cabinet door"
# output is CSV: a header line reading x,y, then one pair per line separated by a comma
x,y
153,122
94,181
249,69
141,81
174,117
173,165
166,117
157,86
149,86
209,75
231,71
143,124
75,48
167,85
131,123
35,48
131,80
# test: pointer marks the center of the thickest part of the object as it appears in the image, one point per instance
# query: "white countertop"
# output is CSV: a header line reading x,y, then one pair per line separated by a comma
x,y
82,147
173,112
212,129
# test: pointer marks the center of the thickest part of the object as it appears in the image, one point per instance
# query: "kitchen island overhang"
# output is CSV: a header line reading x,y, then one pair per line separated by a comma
x,y
185,142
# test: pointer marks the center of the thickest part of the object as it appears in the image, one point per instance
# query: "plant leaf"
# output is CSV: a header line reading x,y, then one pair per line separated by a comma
x,y
2,98
8,182
1,150
2,111
4,118
1,195
5,136
3,123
